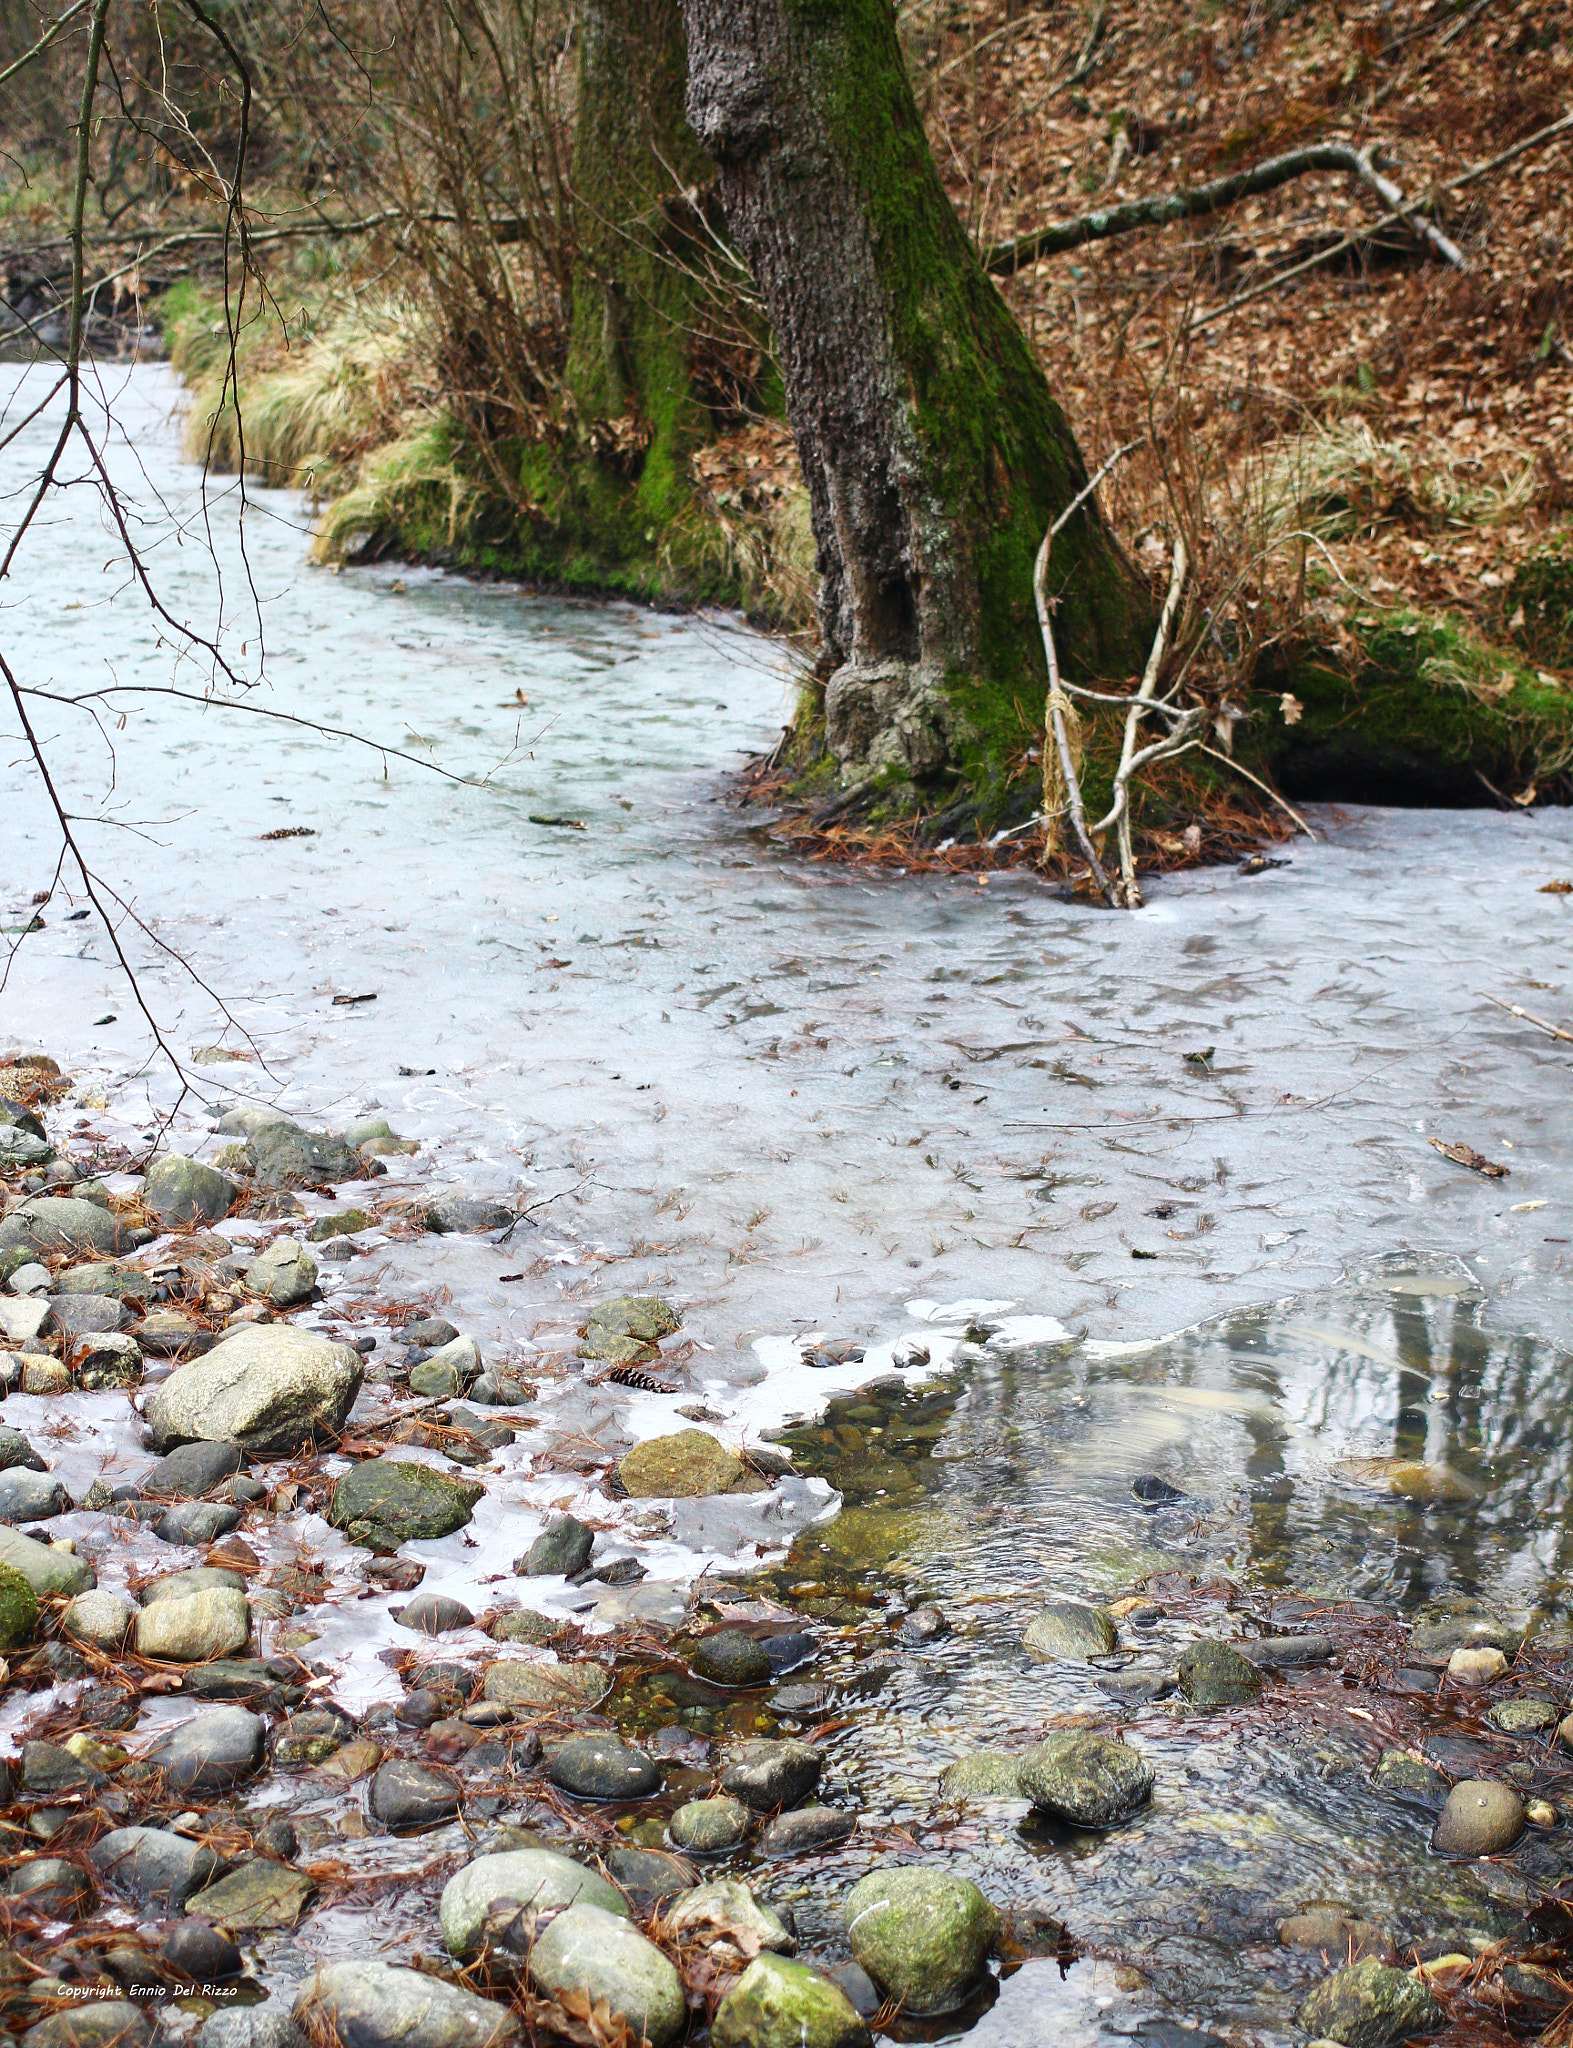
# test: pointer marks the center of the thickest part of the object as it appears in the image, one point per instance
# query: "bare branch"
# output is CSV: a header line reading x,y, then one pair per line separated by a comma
x,y
48,36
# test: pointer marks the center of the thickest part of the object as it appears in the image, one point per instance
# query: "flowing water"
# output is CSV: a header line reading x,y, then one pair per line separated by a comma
x,y
950,1122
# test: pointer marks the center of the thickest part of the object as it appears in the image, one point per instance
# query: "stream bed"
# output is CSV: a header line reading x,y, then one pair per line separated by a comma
x,y
1033,1254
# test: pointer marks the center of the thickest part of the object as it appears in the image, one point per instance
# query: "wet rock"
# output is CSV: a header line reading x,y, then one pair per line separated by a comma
x,y
340,1223
726,1910
690,1465
1335,1933
1214,1674
196,1521
268,1387
285,1273
1407,1778
1281,1653
50,1771
921,1934
309,1738
600,1954
1452,1625
1085,1778
627,1330
1476,1664
153,1866
434,1614
259,1894
532,1877
857,1986
989,1774
15,1450
602,1767
408,1795
23,1321
707,1826
190,1471
31,1496
429,1333
1522,1716
94,2023
730,1657
356,1759
926,1624
251,2026
18,1609
100,1619
562,1548
201,1578
89,1315
107,1361
386,1502
58,1223
781,2004
449,1370
1368,2006
1066,1631
201,1954
524,1625
769,1775
1480,1819
514,1683
375,2005
213,1751
215,1623
649,1876
810,1828
51,1885
180,1190
285,1155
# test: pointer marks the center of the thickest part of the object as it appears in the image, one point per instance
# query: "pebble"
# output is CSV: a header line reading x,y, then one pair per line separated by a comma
x,y
27,1496
201,1954
707,1826
410,1795
214,1623
1481,1818
989,1774
196,1521
100,1619
51,1886
284,1274
766,1775
1522,1716
732,1658
602,1767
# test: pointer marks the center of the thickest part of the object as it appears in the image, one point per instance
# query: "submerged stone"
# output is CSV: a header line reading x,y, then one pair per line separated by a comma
x,y
602,1767
766,1775
777,2003
1523,1716
1067,1631
514,1683
1214,1674
1085,1778
731,1657
1369,2006
990,1774
705,1827
1410,1779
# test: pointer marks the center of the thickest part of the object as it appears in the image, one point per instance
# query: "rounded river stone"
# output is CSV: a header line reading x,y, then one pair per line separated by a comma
x,y
1481,1818
602,1767
921,1934
777,2003
1085,1778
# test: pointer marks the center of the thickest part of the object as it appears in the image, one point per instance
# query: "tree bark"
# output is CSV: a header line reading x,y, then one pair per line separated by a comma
x,y
934,455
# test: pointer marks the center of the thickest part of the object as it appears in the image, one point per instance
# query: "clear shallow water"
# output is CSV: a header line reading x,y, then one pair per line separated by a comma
x,y
794,1099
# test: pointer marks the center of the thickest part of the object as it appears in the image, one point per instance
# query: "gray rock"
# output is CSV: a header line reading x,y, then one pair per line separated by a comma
x,y
110,1359
921,1934
284,1155
1281,1653
766,1775
601,1954
23,1319
707,1826
57,1223
19,1148
94,2023
374,2005
196,1521
268,1387
27,1496
201,1578
1085,1778
202,1954
1214,1674
409,1795
153,1866
180,1190
49,1572
990,1774
777,2003
101,1619
50,1770
1066,1631
213,1623
386,1502
340,1223
15,1450
1481,1818
1462,1624
103,1276
52,1886
562,1548
1369,2006
448,1370
726,1909
433,1614
310,1738
602,1767
190,1471
524,1625
466,1213
251,2026
810,1828
530,1877
213,1751
501,1390
429,1333
286,1273
26,1278
89,1315
730,1657
627,1330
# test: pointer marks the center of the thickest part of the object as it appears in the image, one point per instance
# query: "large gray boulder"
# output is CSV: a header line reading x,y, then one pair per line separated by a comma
x,y
375,2005
59,1223
603,1955
267,1387
534,1877
180,1190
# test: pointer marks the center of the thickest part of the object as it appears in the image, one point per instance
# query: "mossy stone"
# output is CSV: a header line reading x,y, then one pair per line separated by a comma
x,y
921,1934
18,1608
627,1330
1214,1675
778,2003
386,1502
1369,2006
690,1465
990,1774
1086,1778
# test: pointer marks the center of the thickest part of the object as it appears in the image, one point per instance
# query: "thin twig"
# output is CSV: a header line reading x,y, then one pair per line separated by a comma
x,y
1529,1017
43,42
1266,788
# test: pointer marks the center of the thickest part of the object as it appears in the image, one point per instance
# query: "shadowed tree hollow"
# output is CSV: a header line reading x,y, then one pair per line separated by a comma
x,y
934,453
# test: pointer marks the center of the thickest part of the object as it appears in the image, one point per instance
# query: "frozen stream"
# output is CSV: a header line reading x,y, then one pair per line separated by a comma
x,y
793,1099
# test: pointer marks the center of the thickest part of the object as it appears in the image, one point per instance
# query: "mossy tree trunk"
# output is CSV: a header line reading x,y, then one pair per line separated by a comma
x,y
934,454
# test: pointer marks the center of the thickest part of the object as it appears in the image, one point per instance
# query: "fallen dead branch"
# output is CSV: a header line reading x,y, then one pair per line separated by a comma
x,y
1529,1017
1466,1155
1006,258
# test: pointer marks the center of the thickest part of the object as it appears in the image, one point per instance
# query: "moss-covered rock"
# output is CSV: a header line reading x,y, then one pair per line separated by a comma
x,y
777,2003
921,1934
388,1501
1369,2006
687,1466
18,1608
627,1330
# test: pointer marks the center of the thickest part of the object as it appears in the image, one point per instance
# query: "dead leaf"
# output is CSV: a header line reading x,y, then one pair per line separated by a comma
x,y
1291,707
1466,1155
1558,888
